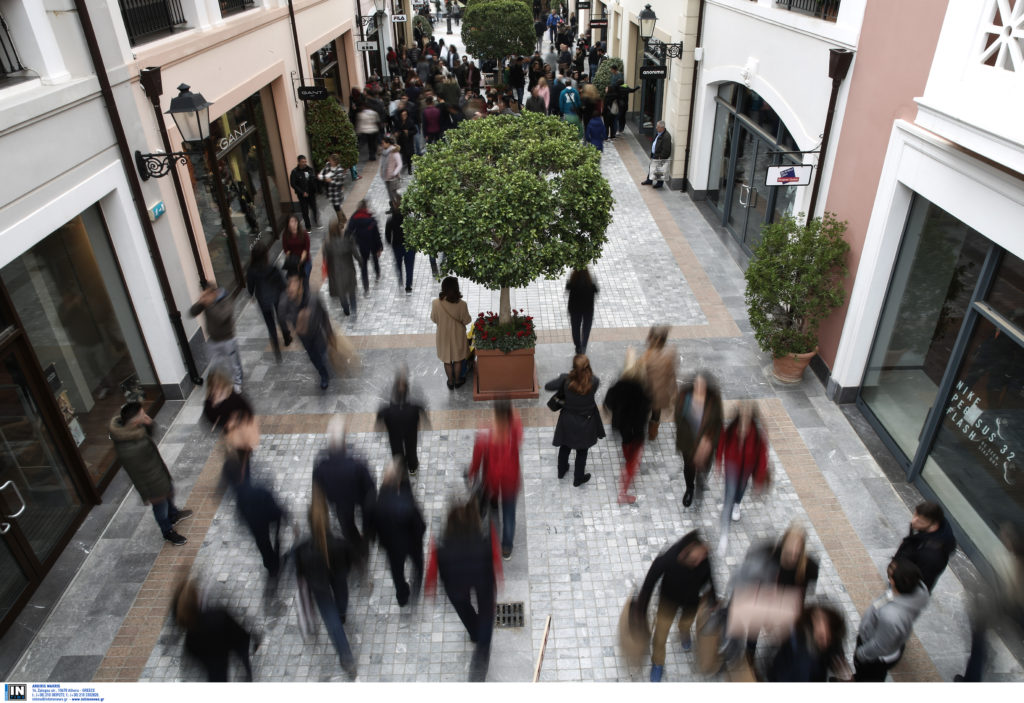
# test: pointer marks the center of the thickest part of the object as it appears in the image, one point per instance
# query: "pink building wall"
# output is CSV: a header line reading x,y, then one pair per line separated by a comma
x,y
894,55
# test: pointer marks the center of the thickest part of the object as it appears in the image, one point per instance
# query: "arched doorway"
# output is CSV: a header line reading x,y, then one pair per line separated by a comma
x,y
748,138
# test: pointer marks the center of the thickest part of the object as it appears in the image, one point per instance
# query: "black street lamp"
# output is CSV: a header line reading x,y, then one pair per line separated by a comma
x,y
191,114
652,46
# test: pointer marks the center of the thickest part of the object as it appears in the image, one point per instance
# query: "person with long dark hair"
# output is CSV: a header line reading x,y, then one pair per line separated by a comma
x,y
451,315
698,429
742,455
630,405
340,256
813,648
266,283
322,564
579,421
295,244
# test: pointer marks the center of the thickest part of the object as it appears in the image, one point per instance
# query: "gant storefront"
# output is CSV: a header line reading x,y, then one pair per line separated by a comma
x,y
940,324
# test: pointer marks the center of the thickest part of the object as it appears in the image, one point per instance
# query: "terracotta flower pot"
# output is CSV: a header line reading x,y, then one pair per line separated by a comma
x,y
505,375
790,368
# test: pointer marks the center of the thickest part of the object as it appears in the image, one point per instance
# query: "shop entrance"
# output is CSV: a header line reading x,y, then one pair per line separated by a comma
x,y
748,138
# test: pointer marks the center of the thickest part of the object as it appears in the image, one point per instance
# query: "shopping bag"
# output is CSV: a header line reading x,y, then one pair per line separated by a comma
x,y
341,353
659,169
634,635
306,611
709,624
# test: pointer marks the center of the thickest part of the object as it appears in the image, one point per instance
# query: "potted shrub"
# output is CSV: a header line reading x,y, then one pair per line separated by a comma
x,y
494,29
508,199
330,131
795,281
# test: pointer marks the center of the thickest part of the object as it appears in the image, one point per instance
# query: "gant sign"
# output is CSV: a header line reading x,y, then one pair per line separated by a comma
x,y
240,132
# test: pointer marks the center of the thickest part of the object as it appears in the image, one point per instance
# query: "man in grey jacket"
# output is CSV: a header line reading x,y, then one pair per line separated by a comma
x,y
888,623
220,330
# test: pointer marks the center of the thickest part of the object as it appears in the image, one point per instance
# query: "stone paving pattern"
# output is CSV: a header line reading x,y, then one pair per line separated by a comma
x,y
578,553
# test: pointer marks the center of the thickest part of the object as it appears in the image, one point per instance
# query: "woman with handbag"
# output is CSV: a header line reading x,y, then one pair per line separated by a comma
x,y
579,421
451,315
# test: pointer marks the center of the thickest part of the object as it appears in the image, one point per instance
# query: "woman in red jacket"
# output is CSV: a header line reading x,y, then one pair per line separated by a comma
x,y
497,453
742,455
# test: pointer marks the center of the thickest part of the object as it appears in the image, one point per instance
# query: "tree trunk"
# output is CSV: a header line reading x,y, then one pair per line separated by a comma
x,y
504,308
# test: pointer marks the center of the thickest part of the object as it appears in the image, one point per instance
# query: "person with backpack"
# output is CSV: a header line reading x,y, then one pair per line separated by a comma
x,y
569,103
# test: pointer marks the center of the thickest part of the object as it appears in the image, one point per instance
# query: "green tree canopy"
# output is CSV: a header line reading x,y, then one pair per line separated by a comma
x,y
423,24
604,73
494,29
331,131
508,199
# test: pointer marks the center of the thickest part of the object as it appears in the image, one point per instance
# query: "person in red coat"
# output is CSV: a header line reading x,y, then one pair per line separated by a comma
x,y
496,454
742,454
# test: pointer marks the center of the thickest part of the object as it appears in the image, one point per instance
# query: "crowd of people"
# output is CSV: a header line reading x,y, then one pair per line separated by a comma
x,y
772,590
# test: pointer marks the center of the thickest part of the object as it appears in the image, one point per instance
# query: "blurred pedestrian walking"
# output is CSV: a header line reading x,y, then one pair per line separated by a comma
x,y
451,315
363,226
395,236
660,360
685,574
322,564
579,421
295,245
742,455
221,345
630,406
401,417
131,431
211,633
582,289
698,429
466,559
496,459
222,401
345,480
812,649
306,317
340,256
266,282
400,529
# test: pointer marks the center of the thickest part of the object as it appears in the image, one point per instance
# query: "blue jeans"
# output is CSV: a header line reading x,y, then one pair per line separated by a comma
x,y
508,521
225,354
331,616
734,490
165,511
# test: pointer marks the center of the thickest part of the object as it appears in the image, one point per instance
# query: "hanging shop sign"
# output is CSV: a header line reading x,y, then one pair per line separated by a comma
x,y
312,92
653,73
366,46
790,175
583,4
599,23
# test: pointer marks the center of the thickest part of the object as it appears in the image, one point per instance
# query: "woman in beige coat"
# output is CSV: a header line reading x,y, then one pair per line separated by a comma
x,y
660,363
451,315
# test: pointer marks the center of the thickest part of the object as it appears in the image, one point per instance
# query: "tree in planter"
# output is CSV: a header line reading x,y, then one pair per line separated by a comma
x,y
423,24
494,29
604,73
794,281
507,199
330,131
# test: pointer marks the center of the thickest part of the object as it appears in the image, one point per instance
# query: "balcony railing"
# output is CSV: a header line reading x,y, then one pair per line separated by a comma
x,y
9,62
827,10
230,7
146,20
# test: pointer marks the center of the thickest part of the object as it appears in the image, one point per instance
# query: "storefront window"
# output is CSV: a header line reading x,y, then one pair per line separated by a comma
x,y
1007,295
976,461
325,68
721,152
72,302
935,274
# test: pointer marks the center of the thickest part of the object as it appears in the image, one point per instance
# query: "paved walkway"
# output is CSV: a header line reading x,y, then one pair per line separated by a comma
x,y
578,553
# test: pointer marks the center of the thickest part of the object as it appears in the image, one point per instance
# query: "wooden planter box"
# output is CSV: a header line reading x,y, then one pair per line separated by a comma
x,y
501,375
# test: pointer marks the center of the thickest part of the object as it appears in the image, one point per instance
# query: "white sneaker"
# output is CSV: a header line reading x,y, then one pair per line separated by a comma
x,y
736,513
723,544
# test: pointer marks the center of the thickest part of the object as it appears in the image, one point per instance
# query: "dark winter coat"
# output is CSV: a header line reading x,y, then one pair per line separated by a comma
x,y
798,660
630,406
220,321
466,564
363,227
929,551
663,149
581,295
595,133
257,506
398,520
710,424
326,576
402,421
346,483
141,459
266,283
680,584
340,254
393,232
218,415
579,422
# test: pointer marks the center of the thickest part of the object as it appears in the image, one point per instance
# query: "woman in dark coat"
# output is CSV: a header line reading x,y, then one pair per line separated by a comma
x,y
401,417
630,405
266,282
295,244
582,290
340,256
400,529
363,226
698,428
322,563
405,132
579,422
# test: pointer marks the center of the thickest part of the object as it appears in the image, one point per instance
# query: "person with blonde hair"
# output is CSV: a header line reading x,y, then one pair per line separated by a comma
x,y
322,564
660,361
579,421
630,405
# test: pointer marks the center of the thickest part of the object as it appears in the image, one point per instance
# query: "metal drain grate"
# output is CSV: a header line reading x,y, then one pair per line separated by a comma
x,y
509,615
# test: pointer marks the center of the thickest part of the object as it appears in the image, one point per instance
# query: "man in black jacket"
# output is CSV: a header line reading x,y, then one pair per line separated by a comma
x,y
685,573
303,181
346,482
661,152
929,543
400,528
